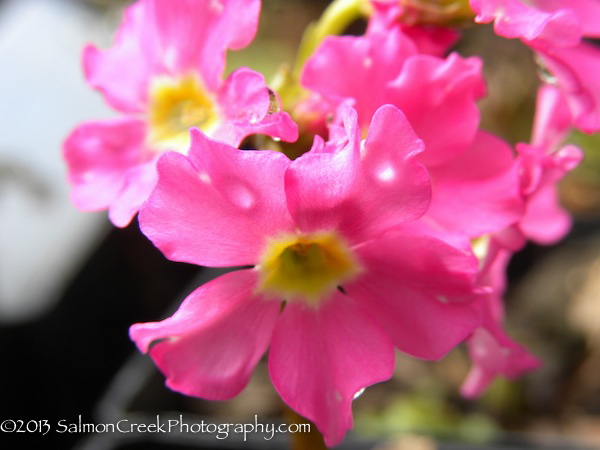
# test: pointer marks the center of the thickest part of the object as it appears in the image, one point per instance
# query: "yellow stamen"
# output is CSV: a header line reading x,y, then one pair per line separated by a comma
x,y
176,105
306,267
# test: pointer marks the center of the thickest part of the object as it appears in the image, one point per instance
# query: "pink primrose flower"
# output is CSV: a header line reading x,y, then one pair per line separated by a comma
x,y
554,30
492,351
542,164
474,174
340,274
573,69
164,73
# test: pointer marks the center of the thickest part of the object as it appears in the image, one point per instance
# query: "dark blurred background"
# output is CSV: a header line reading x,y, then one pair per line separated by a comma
x,y
71,284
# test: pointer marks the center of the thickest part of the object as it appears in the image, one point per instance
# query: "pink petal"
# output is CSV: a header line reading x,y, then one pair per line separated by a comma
x,y
587,12
169,37
319,359
106,160
245,104
478,192
343,67
318,184
432,40
545,221
195,34
420,289
210,346
515,19
493,358
552,117
121,73
361,197
393,187
139,182
217,206
439,99
575,69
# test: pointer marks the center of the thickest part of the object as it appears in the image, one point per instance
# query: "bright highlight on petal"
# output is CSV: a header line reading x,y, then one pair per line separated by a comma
x,y
306,267
176,105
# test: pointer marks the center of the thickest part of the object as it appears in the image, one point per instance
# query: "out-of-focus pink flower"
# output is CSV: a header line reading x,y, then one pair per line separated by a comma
x,y
164,72
493,355
339,276
554,30
492,351
474,174
535,26
573,70
542,164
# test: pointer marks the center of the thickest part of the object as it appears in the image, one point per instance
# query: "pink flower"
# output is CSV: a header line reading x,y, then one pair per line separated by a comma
x,y
558,26
542,164
572,69
495,354
492,351
341,275
554,30
164,73
474,175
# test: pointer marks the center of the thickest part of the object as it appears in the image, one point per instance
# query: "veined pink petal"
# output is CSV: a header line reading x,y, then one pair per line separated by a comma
x,y
245,102
587,12
320,358
106,159
574,69
439,98
420,289
516,19
210,346
479,191
217,206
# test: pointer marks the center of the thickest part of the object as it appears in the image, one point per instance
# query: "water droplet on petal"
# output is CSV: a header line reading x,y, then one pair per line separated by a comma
x,y
274,105
204,177
368,62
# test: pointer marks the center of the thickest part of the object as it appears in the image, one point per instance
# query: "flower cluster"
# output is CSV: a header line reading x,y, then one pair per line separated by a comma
x,y
392,230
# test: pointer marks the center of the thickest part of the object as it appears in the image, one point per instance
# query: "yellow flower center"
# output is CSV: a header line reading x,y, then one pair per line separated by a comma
x,y
176,105
305,267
